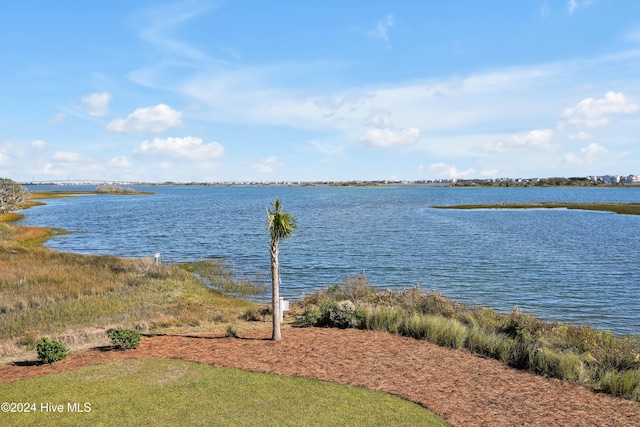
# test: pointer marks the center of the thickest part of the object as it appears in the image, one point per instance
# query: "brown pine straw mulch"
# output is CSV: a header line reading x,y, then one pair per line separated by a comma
x,y
462,388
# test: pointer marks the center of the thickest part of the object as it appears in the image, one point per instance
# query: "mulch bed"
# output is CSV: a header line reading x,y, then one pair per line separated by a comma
x,y
462,388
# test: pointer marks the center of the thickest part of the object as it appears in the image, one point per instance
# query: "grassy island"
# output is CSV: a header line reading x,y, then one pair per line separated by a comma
x,y
619,208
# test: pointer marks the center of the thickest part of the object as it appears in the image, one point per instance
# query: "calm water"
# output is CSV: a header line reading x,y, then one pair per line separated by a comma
x,y
571,266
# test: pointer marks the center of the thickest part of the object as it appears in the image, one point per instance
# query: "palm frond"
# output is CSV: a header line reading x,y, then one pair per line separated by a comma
x,y
280,224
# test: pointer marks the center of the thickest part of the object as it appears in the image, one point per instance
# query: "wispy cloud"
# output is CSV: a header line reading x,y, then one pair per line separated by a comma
x,y
382,28
267,165
327,149
59,117
544,9
572,5
157,25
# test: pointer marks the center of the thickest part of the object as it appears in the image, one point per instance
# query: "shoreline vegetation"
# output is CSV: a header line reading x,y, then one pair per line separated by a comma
x,y
618,208
593,358
77,298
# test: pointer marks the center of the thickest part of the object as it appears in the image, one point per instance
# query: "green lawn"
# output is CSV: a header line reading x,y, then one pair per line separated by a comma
x,y
169,392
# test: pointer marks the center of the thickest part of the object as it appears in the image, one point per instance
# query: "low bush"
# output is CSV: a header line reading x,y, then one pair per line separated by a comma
x,y
50,350
311,316
232,331
257,314
595,358
343,315
124,339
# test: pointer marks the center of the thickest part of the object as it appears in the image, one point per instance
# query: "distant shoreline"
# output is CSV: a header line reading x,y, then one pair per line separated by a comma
x,y
334,184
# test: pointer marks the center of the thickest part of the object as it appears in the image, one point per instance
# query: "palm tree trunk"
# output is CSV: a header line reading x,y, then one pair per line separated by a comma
x,y
275,290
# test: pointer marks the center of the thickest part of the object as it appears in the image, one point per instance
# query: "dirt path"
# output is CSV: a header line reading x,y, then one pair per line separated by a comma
x,y
464,389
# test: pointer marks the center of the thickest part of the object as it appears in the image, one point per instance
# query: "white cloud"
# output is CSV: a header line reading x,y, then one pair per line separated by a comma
x,y
154,119
382,29
66,156
390,137
592,112
96,104
572,5
39,144
531,140
119,162
183,148
444,170
586,154
267,165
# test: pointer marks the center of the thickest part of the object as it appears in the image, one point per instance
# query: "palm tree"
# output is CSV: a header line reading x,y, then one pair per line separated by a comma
x,y
280,225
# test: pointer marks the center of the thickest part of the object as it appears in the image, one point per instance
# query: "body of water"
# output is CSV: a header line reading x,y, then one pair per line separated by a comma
x,y
578,267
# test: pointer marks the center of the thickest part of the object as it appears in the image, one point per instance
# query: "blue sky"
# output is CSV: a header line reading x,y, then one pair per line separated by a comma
x,y
333,90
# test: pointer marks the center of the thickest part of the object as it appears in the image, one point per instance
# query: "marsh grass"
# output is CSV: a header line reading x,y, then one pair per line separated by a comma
x,y
171,392
595,358
619,208
217,275
43,292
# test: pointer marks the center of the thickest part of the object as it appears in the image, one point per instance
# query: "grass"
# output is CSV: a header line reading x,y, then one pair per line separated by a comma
x,y
170,392
619,208
594,358
69,291
217,275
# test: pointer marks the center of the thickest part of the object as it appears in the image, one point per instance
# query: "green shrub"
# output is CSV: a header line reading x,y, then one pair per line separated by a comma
x,y
311,316
232,331
343,315
124,339
50,350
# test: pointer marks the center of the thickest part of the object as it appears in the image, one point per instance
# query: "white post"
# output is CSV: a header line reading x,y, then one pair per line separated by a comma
x,y
284,306
157,258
